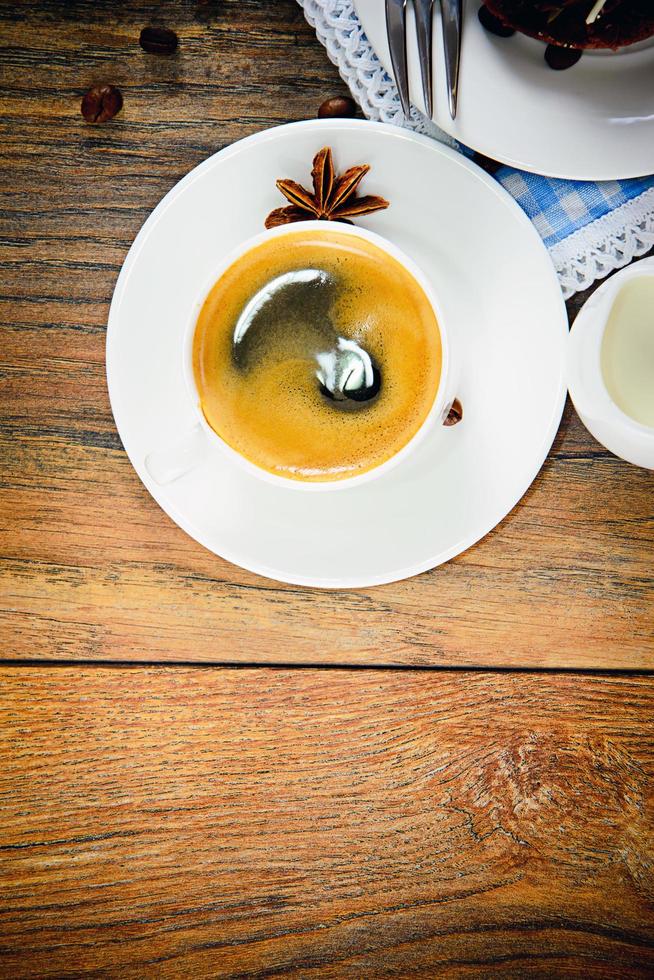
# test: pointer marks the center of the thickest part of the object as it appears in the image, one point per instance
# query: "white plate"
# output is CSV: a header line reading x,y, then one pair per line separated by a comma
x,y
504,310
594,121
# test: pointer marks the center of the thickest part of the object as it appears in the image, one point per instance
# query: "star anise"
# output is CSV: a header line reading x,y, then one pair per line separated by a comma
x,y
333,199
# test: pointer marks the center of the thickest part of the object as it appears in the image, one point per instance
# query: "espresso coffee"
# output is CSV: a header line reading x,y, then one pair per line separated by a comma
x,y
317,356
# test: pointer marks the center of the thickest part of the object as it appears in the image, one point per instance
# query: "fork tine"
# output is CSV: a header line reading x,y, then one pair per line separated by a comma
x,y
451,12
396,29
423,9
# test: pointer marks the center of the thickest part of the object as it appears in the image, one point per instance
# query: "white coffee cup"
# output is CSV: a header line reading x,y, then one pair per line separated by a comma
x,y
170,463
604,419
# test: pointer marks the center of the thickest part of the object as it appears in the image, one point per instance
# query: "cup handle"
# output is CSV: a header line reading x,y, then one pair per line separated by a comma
x,y
166,465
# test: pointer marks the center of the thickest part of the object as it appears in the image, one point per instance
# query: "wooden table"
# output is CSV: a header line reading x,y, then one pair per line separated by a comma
x,y
493,815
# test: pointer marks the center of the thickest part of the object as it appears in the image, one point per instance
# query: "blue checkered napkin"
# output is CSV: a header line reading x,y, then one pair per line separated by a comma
x,y
558,208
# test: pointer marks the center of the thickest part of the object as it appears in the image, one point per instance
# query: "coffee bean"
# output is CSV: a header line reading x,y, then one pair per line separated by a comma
x,y
455,413
561,58
158,40
339,106
493,24
101,103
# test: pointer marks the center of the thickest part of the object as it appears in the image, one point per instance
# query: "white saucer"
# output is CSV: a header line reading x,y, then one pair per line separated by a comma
x,y
594,121
504,310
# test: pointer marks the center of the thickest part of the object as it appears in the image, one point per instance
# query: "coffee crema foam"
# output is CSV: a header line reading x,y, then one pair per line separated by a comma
x,y
257,347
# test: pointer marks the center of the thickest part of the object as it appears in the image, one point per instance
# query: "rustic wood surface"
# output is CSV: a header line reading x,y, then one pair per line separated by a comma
x,y
92,569
201,822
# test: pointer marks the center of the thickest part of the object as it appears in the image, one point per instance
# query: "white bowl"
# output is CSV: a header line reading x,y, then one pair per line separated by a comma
x,y
617,432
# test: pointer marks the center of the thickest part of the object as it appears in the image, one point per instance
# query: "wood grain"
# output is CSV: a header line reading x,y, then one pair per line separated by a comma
x,y
255,823
91,567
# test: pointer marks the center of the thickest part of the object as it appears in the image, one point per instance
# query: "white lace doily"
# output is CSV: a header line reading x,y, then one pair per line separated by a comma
x,y
584,256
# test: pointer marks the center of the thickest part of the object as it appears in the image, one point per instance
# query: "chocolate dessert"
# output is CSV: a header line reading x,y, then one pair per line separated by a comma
x,y
571,25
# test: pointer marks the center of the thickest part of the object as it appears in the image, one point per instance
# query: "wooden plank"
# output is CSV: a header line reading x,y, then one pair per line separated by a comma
x,y
216,822
91,567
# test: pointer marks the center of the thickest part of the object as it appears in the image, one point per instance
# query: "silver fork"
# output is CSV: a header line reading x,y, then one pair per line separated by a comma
x,y
396,29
